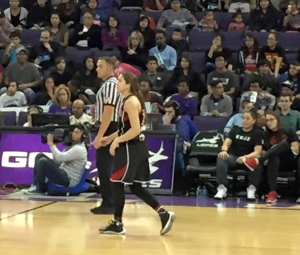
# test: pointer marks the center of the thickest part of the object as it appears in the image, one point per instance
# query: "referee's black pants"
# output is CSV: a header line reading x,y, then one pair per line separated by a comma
x,y
104,166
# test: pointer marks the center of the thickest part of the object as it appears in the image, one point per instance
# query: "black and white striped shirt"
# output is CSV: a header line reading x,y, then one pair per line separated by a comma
x,y
108,95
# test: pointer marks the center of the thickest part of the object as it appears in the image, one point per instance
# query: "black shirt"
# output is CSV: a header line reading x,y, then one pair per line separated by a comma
x,y
225,51
272,55
243,143
296,104
63,78
15,20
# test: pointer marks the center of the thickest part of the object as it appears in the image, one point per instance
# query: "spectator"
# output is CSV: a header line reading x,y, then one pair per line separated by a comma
x,y
242,143
236,119
158,79
28,4
237,23
78,116
289,88
45,53
293,76
1,74
151,97
183,129
154,5
152,23
248,55
216,48
188,104
268,81
291,21
176,16
5,30
24,73
13,97
76,93
148,34
289,118
10,55
39,15
135,54
62,101
92,7
179,43
208,23
240,5
185,69
262,100
113,37
88,35
32,110
108,6
124,68
282,149
61,75
131,3
69,12
216,104
16,15
228,78
264,18
46,95
165,54
59,32
275,54
215,5
87,75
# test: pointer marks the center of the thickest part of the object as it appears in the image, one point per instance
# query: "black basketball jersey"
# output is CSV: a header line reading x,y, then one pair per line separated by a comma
x,y
124,123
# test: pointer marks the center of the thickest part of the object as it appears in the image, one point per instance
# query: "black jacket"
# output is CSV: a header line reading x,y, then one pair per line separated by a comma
x,y
149,37
264,21
93,36
139,59
90,81
74,16
40,16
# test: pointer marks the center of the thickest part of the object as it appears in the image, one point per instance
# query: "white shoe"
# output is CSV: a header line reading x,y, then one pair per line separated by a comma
x,y
251,192
222,192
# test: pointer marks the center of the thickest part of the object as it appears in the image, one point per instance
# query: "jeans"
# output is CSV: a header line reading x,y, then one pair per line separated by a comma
x,y
209,67
45,167
230,164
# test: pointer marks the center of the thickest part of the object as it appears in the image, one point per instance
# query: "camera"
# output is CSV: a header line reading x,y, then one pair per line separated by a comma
x,y
60,135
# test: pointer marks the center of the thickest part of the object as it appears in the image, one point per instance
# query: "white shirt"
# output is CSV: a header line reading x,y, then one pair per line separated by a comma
x,y
83,119
18,99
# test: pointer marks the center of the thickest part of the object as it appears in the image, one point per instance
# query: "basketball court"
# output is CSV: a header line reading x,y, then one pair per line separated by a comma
x,y
65,226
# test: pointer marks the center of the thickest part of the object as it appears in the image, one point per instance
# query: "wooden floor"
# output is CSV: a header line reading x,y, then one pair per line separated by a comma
x,y
64,228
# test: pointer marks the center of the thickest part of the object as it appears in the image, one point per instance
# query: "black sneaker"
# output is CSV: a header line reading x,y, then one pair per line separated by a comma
x,y
167,219
102,210
114,228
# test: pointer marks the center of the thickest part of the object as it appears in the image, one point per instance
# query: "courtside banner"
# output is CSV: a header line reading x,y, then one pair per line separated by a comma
x,y
18,152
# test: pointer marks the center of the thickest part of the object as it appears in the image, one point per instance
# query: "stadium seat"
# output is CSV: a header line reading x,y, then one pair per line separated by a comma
x,y
200,41
233,40
30,37
9,119
226,19
128,19
96,53
82,186
289,41
154,15
207,123
197,60
4,4
22,119
261,38
76,56
291,57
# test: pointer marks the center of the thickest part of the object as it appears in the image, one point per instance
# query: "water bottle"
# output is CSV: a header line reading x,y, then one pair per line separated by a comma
x,y
204,191
199,191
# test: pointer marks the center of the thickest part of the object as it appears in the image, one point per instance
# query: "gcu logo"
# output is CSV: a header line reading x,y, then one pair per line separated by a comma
x,y
22,159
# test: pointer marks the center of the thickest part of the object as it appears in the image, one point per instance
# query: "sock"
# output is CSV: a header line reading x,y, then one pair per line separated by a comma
x,y
119,219
159,209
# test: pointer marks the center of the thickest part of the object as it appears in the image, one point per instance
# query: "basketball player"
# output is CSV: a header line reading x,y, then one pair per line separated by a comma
x,y
130,164
107,109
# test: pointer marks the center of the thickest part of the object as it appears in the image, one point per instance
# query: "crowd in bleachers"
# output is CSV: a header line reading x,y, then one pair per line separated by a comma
x,y
212,57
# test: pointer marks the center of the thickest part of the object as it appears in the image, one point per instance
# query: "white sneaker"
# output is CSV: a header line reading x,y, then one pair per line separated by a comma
x,y
251,192
222,192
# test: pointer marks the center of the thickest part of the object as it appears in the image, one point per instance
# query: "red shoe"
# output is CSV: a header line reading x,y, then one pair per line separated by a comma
x,y
250,163
272,197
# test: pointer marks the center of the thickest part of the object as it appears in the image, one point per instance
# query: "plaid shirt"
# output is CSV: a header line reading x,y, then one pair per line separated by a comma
x,y
5,31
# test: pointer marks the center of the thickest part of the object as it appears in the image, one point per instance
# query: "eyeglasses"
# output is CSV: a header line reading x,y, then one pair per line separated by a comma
x,y
270,120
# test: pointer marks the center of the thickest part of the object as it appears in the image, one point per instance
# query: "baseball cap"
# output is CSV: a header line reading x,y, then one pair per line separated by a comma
x,y
20,49
2,15
288,84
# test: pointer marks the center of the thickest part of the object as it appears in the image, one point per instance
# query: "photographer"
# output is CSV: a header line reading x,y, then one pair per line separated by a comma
x,y
67,166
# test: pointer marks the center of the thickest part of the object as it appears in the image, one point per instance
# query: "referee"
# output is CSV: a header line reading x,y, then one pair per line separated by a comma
x,y
107,110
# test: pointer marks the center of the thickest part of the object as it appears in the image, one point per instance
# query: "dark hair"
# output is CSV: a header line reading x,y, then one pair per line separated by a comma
x,y
131,79
294,1
276,35
13,82
255,46
114,17
59,59
74,83
148,81
89,12
253,113
177,30
279,134
15,33
183,79
84,62
289,95
237,13
46,30
215,83
256,79
222,39
63,7
295,63
271,6
207,11
160,32
152,58
87,3
142,18
262,62
220,54
108,61
188,59
175,105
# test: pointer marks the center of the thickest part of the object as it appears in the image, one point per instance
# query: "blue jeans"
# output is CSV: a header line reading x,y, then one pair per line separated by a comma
x,y
45,167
